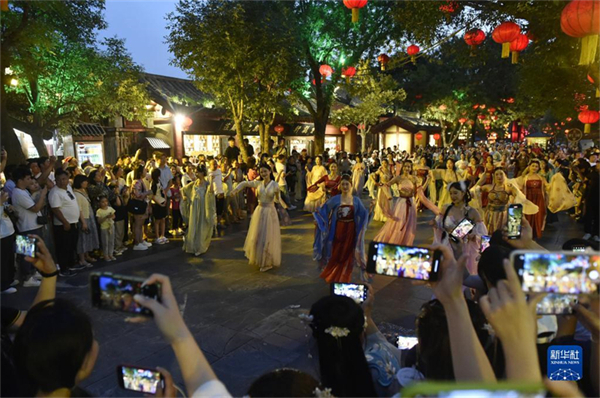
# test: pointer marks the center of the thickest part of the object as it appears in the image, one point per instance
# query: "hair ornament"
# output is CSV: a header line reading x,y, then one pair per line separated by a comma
x,y
324,393
337,332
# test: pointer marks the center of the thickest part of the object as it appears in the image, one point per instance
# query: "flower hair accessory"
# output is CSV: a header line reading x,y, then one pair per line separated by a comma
x,y
337,332
324,393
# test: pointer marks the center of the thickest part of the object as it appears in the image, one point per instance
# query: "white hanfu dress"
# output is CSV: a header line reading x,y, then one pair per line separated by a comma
x,y
198,209
263,242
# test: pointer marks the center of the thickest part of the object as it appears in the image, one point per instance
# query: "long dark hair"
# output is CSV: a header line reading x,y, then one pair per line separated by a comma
x,y
342,361
155,179
266,166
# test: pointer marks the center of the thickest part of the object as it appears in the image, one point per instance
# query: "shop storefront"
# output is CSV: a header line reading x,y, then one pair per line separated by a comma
x,y
196,144
92,151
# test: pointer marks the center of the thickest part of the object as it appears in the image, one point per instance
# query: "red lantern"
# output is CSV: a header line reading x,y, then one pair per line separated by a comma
x,y
494,117
480,117
383,59
449,8
462,120
3,5
325,70
348,73
473,38
581,19
492,110
355,5
475,106
510,100
436,136
518,45
504,34
482,106
418,136
361,126
279,129
471,122
187,122
442,107
343,129
588,118
412,52
569,119
419,96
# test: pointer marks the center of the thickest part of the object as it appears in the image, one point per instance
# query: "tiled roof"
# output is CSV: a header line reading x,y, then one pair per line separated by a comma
x,y
88,129
173,93
157,143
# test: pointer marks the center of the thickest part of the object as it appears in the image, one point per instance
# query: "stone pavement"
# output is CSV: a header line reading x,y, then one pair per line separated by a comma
x,y
245,321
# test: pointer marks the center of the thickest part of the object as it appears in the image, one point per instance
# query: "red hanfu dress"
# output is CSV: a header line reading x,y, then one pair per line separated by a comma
x,y
339,267
534,191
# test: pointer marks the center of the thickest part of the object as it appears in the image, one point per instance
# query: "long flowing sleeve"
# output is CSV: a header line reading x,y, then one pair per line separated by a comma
x,y
186,201
560,197
245,184
322,231
520,198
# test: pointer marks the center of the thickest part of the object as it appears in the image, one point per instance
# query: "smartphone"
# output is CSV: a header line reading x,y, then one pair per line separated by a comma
x,y
462,229
556,304
515,214
557,272
355,291
115,292
25,246
134,378
407,342
403,261
485,242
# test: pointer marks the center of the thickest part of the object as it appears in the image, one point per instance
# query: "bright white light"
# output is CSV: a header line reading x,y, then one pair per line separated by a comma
x,y
8,71
14,82
179,119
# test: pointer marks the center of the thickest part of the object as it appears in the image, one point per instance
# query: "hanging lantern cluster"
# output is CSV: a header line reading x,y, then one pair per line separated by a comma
x,y
355,6
279,129
412,52
588,118
473,38
462,120
383,59
449,8
518,45
504,34
348,73
581,19
325,70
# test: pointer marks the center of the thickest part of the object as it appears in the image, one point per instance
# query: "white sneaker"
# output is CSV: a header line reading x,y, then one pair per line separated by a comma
x,y
597,238
14,283
587,236
292,207
148,244
10,290
31,282
160,241
140,246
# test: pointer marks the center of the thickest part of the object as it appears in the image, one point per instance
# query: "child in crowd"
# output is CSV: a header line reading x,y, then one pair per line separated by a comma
x,y
106,216
175,201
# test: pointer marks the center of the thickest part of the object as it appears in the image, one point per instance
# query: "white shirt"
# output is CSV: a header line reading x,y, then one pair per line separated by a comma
x,y
22,202
60,199
165,177
211,389
6,226
280,169
217,181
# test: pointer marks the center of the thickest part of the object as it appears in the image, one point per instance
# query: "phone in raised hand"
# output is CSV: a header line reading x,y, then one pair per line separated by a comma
x,y
515,215
115,292
409,262
135,378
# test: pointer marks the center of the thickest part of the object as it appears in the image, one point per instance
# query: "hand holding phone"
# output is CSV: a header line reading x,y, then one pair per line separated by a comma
x,y
403,261
144,380
513,227
407,342
464,227
25,245
117,292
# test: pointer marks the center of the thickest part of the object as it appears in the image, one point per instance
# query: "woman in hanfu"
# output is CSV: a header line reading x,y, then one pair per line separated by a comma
x,y
448,176
263,242
358,176
316,198
383,176
339,239
534,186
199,211
331,181
401,223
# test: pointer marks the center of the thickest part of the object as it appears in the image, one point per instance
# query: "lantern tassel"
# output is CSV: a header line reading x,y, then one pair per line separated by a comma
x,y
515,57
347,79
355,12
505,50
587,129
589,44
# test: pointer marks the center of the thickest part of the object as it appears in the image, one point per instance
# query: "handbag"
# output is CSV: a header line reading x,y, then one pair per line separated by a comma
x,y
136,206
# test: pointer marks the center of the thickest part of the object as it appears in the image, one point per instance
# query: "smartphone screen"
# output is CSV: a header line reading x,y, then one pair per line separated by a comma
x,y
515,214
407,342
485,242
462,229
403,261
556,304
562,272
115,292
355,291
25,246
139,379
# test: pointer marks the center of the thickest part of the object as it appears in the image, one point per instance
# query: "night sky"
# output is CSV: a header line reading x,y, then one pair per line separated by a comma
x,y
143,26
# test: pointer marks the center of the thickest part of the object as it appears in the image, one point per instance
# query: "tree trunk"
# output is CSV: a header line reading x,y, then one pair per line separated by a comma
x,y
320,124
265,144
38,142
239,134
10,142
363,143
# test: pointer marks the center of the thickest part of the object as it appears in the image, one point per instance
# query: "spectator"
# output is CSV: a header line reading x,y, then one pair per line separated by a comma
x,y
87,240
280,149
232,152
159,207
29,217
249,148
175,204
165,177
138,206
119,204
66,216
280,176
106,216
7,233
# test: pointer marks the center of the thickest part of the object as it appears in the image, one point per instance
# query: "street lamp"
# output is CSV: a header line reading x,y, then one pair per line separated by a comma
x,y
14,82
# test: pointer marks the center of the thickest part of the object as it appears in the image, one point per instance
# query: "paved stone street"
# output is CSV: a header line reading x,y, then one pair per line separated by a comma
x,y
245,321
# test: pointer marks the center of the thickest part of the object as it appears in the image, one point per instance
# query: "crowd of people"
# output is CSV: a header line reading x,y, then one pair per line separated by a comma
x,y
480,327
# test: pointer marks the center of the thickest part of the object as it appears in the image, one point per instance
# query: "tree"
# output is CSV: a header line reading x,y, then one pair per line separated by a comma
x,y
62,75
32,25
326,35
245,59
375,96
